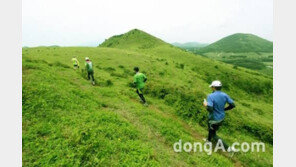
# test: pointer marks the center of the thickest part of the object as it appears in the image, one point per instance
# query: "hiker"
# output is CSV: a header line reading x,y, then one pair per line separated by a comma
x,y
139,81
89,69
75,63
215,104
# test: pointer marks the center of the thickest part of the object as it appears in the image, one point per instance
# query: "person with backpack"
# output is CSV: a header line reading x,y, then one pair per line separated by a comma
x,y
139,81
75,63
215,104
89,69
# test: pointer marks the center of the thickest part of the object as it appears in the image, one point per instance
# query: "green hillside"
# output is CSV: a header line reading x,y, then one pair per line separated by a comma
x,y
239,43
69,122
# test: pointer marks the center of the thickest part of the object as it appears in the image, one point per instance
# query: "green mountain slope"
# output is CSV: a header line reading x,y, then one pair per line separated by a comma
x,y
67,121
239,43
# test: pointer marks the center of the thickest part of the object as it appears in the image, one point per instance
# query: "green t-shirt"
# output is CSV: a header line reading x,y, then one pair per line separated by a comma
x,y
89,66
139,80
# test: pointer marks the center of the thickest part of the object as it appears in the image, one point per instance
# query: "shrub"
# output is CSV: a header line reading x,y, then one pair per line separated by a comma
x,y
109,69
109,82
161,73
180,66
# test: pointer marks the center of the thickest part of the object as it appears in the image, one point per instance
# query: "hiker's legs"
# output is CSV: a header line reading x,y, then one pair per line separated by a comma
x,y
143,98
140,93
88,75
92,76
213,134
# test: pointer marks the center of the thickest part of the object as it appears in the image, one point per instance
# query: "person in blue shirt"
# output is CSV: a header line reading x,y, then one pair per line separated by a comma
x,y
215,104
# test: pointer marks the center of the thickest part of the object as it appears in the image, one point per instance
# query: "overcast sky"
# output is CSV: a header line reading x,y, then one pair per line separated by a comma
x,y
90,22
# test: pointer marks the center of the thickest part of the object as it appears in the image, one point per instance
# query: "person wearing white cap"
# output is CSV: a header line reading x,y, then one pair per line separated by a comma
x,y
89,69
215,104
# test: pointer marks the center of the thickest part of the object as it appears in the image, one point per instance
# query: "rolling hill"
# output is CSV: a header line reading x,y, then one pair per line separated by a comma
x,y
69,122
239,43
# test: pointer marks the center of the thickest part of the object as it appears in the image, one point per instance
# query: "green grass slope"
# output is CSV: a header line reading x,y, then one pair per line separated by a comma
x,y
69,122
239,43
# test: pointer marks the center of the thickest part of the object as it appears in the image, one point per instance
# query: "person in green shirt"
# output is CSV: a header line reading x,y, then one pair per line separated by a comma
x,y
89,69
139,81
75,63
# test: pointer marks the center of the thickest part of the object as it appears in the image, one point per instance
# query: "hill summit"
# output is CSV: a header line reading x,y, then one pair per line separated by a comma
x,y
135,39
239,43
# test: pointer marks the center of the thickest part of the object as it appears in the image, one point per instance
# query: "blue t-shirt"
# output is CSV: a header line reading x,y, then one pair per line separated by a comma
x,y
217,100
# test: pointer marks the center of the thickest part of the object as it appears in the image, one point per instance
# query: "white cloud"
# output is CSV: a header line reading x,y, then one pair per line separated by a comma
x,y
89,22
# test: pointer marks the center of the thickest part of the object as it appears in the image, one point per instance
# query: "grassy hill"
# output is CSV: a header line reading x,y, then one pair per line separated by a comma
x,y
239,43
242,50
133,39
69,122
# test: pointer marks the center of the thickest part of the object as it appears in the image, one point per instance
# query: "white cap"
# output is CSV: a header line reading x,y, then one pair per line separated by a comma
x,y
216,84
86,58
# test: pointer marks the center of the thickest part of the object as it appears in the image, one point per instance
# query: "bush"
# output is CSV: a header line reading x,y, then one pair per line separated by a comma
x,y
161,73
109,82
109,69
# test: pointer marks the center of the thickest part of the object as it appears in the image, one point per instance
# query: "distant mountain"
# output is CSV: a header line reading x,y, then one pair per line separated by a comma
x,y
190,45
239,43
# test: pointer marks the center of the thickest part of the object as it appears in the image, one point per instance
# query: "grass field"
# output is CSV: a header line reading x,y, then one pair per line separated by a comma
x,y
69,122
